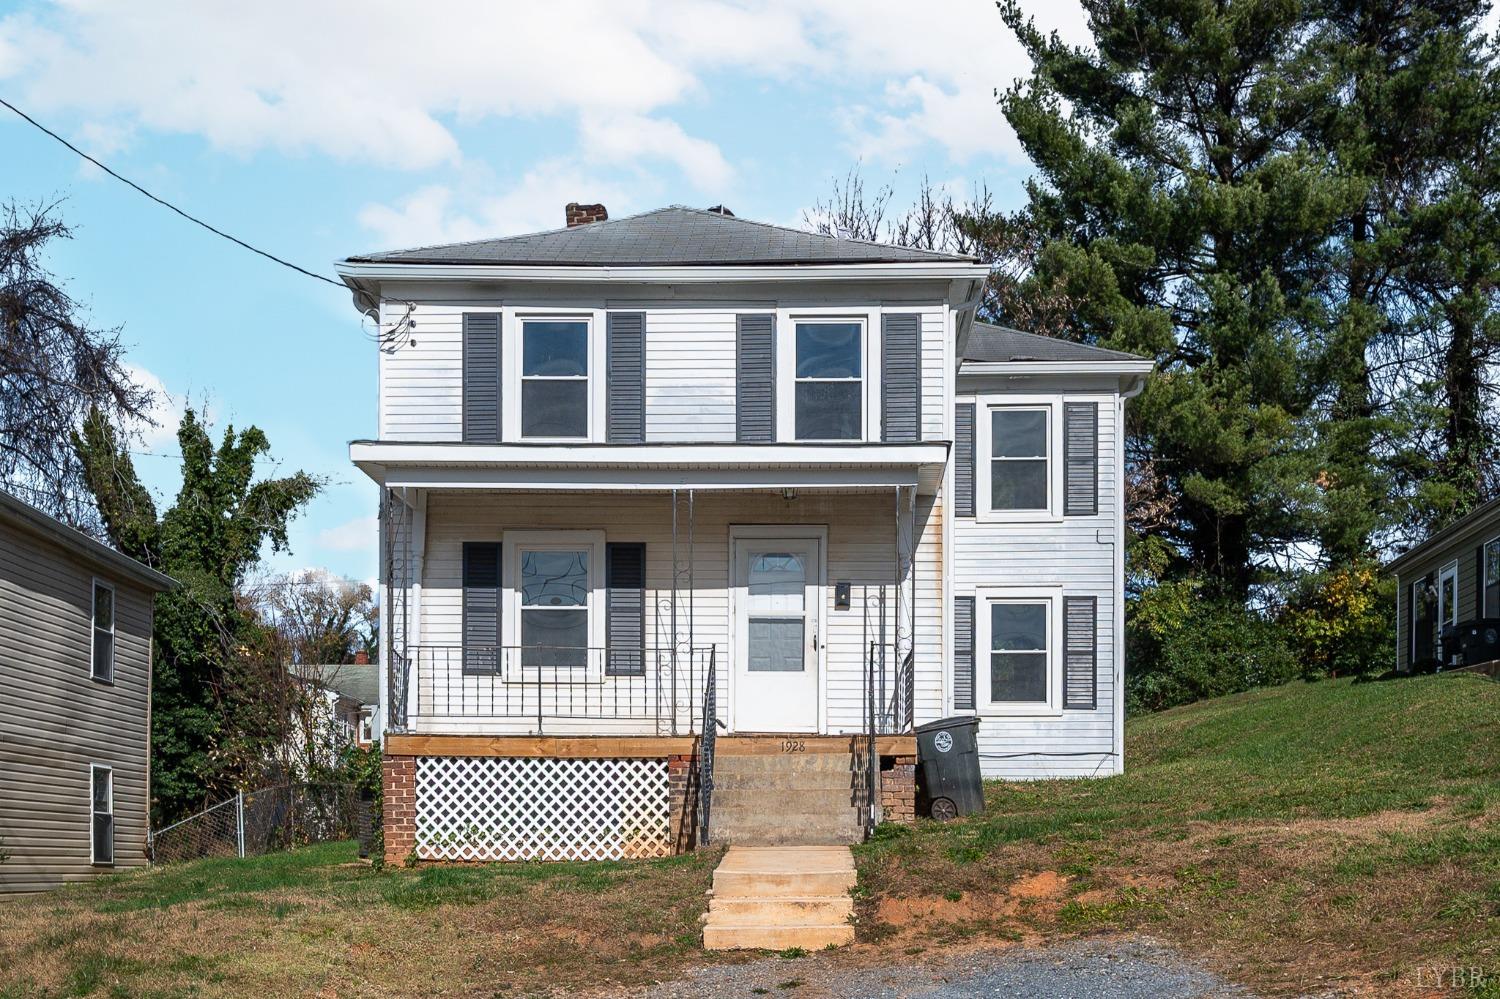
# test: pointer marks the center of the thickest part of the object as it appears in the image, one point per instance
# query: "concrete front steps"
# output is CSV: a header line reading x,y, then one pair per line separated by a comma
x,y
802,799
774,898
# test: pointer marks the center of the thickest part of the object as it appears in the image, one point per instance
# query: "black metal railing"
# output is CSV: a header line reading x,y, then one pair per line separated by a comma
x,y
660,691
706,745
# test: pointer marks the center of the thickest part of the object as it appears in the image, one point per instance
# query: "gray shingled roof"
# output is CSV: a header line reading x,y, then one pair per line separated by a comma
x,y
1000,343
356,681
664,237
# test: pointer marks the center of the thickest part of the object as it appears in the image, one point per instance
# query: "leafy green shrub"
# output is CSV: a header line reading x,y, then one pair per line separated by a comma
x,y
1183,646
1343,622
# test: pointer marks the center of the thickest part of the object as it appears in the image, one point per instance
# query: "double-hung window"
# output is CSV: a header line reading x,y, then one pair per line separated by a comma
x,y
554,602
828,392
555,379
1020,459
1019,634
101,815
103,633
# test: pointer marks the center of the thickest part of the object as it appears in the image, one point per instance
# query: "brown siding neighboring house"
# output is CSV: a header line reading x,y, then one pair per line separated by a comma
x,y
1452,577
75,702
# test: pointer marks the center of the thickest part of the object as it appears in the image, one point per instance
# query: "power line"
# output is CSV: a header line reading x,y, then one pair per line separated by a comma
x,y
167,204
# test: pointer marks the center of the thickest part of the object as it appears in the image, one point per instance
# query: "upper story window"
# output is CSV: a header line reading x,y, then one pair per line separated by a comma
x,y
1019,458
829,390
103,640
555,378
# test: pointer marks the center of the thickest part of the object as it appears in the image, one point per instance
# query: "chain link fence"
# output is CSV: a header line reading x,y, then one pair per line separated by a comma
x,y
257,822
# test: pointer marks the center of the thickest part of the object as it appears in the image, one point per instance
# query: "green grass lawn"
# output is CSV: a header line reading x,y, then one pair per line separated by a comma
x,y
1297,839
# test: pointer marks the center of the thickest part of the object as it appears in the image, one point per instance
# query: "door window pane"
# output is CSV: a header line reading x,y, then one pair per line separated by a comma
x,y
829,391
777,581
776,645
1018,459
1018,652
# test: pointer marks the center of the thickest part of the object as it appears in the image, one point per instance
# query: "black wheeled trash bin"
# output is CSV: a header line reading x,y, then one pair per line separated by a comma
x,y
948,760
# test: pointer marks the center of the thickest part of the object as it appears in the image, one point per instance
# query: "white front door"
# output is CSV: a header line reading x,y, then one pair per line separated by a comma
x,y
777,599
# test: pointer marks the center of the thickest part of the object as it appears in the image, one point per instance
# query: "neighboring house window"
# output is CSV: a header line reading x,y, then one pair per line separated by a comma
x,y
1019,639
101,815
1020,466
103,656
366,727
1491,581
829,381
555,378
1424,607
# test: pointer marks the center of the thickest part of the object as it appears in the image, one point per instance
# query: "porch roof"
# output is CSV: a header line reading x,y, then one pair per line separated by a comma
x,y
651,467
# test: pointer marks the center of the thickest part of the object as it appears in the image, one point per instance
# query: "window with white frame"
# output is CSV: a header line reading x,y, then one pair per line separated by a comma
x,y
553,594
1019,642
555,378
103,633
101,815
1491,580
828,393
1020,476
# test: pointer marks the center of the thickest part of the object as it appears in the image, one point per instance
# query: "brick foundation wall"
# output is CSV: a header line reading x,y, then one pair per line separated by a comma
x,y
898,789
399,778
682,777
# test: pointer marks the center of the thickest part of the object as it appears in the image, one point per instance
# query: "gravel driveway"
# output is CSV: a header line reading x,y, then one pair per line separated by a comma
x,y
1097,969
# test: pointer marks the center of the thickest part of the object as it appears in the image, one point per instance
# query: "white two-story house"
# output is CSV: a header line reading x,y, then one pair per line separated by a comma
x,y
688,521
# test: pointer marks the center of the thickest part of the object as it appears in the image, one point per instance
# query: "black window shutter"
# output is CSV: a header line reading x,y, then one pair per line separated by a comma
x,y
963,653
1081,448
901,378
626,385
481,421
625,608
481,625
963,459
1080,652
755,377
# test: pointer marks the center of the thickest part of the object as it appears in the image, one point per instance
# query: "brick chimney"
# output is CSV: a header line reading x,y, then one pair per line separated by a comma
x,y
361,658
584,214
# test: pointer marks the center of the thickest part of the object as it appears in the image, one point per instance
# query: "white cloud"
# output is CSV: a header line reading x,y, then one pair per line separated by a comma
x,y
359,534
159,435
388,85
432,213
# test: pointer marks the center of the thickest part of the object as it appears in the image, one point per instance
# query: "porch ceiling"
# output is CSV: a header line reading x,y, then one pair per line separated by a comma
x,y
652,467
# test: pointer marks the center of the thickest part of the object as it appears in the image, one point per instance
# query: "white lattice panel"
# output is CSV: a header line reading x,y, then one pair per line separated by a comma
x,y
511,808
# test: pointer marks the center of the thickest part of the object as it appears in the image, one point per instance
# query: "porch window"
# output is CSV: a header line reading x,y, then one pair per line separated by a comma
x,y
103,636
1491,580
1018,651
1019,460
554,594
555,378
101,815
829,388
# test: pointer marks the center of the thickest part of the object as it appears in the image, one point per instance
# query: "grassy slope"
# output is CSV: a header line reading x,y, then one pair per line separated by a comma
x,y
1295,835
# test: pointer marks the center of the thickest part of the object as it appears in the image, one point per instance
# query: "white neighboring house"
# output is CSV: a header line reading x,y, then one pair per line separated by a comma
x,y
346,699
677,488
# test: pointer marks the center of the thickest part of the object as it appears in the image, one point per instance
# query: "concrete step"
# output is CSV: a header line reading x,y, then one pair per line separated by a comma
x,y
783,837
807,780
784,801
776,898
759,911
776,937
787,763
786,872
742,822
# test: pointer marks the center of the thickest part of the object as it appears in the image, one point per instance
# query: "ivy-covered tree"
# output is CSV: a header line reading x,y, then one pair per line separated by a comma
x,y
208,709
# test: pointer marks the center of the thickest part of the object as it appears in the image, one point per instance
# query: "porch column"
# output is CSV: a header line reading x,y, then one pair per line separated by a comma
x,y
899,698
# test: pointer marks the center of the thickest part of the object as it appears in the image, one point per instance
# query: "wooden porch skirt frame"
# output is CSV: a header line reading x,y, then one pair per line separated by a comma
x,y
897,790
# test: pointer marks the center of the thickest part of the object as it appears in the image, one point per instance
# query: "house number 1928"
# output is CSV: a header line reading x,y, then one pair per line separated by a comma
x,y
793,746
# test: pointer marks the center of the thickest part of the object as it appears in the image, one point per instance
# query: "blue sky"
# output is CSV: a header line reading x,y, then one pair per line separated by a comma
x,y
316,130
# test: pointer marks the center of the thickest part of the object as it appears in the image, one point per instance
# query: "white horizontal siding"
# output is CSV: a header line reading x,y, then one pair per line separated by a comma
x,y
861,539
690,367
55,720
1078,555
